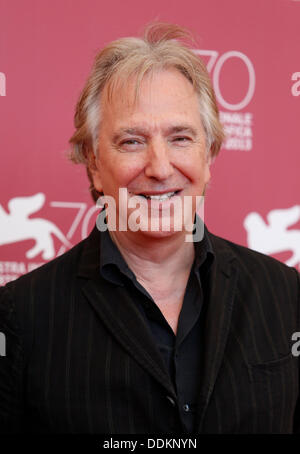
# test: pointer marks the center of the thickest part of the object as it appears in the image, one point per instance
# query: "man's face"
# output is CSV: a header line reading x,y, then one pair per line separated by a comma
x,y
154,146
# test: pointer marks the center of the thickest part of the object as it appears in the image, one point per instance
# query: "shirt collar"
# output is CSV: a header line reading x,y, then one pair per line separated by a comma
x,y
114,268
204,253
112,263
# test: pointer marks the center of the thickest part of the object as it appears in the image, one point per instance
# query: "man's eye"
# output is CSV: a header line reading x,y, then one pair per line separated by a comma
x,y
181,139
130,142
133,145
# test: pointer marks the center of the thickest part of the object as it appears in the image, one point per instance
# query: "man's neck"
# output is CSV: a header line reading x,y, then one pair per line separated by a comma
x,y
155,259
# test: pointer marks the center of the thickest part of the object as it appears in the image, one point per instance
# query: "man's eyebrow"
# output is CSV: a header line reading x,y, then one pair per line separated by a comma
x,y
135,131
142,131
182,128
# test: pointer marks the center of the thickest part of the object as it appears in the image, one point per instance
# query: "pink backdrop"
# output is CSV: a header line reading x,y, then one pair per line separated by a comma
x,y
252,49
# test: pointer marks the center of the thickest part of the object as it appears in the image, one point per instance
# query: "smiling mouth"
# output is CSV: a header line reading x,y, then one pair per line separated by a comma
x,y
159,197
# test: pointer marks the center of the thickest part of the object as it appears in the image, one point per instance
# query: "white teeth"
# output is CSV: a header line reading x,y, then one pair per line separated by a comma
x,y
160,197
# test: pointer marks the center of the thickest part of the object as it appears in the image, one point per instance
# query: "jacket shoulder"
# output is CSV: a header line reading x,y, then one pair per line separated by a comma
x,y
254,261
62,266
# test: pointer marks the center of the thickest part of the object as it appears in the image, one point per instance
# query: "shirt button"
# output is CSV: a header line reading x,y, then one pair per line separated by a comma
x,y
186,408
171,400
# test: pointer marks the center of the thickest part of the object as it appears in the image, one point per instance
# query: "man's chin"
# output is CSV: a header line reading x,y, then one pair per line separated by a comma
x,y
158,234
156,228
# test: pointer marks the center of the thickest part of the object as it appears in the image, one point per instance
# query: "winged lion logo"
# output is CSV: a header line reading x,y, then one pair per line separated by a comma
x,y
17,226
274,237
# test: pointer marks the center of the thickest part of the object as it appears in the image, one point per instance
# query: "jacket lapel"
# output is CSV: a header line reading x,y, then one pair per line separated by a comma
x,y
221,292
120,316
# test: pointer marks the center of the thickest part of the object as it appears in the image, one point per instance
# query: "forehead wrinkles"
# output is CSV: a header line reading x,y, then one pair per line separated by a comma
x,y
127,89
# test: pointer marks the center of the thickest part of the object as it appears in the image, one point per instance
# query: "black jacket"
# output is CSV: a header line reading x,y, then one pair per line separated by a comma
x,y
79,358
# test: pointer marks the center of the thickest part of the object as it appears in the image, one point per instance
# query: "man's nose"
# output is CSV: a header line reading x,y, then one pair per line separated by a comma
x,y
158,163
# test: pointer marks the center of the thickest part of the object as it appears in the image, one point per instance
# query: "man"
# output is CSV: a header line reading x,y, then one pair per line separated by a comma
x,y
136,330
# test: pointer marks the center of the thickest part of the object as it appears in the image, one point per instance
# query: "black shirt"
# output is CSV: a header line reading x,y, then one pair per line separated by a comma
x,y
181,352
